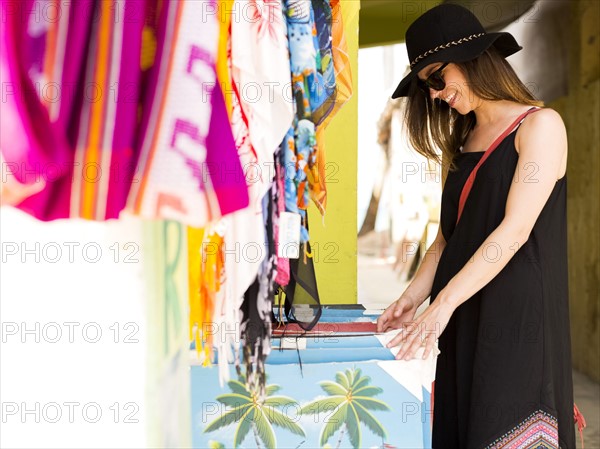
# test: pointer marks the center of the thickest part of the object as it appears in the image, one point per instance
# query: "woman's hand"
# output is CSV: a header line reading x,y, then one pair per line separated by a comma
x,y
424,331
400,312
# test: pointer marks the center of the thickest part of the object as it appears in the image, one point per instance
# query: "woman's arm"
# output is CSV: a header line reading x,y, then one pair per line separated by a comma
x,y
542,147
404,308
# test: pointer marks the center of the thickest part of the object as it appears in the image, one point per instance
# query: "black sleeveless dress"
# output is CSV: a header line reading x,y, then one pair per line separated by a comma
x,y
503,376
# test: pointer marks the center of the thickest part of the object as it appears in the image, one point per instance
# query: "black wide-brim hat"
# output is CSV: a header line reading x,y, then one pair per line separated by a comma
x,y
449,33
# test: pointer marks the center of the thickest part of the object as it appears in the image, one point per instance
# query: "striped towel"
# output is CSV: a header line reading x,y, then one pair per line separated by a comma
x,y
41,57
84,97
189,170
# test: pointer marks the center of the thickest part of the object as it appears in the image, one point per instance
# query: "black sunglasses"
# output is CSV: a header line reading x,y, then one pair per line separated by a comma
x,y
434,81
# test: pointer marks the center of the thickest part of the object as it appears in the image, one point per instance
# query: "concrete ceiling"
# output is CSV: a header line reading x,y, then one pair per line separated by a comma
x,y
384,22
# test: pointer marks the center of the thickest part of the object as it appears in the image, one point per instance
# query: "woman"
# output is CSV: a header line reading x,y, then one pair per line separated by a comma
x,y
496,274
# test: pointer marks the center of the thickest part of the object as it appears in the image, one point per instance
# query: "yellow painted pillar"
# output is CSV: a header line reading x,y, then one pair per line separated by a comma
x,y
333,238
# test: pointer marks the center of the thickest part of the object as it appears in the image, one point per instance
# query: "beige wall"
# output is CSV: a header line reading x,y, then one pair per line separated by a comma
x,y
580,109
581,112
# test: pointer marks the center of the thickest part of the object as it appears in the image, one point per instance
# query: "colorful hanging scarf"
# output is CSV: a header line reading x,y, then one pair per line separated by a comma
x,y
341,62
257,308
323,89
205,276
343,92
261,75
105,157
299,158
187,152
40,65
244,232
80,85
321,85
261,114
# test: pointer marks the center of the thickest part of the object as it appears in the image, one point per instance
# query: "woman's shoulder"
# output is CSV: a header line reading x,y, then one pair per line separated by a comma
x,y
542,120
544,125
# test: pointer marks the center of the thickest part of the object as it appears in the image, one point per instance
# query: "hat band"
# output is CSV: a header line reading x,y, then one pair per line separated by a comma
x,y
462,40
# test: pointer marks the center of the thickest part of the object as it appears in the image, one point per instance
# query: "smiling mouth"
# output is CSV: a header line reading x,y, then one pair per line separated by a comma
x,y
451,99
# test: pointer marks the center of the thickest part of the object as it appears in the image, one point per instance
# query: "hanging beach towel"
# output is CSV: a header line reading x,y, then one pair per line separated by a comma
x,y
37,123
105,154
187,141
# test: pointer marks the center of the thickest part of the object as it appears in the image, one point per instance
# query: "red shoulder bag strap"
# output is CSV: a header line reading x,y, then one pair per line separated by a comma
x,y
471,179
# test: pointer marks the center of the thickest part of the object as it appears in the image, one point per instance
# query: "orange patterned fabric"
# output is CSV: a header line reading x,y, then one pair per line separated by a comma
x,y
205,276
341,61
343,81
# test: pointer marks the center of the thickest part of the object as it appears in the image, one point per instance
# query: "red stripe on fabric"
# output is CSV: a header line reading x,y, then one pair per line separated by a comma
x,y
325,328
471,179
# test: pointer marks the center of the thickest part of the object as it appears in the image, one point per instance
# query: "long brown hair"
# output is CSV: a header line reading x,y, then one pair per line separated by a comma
x,y
433,125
